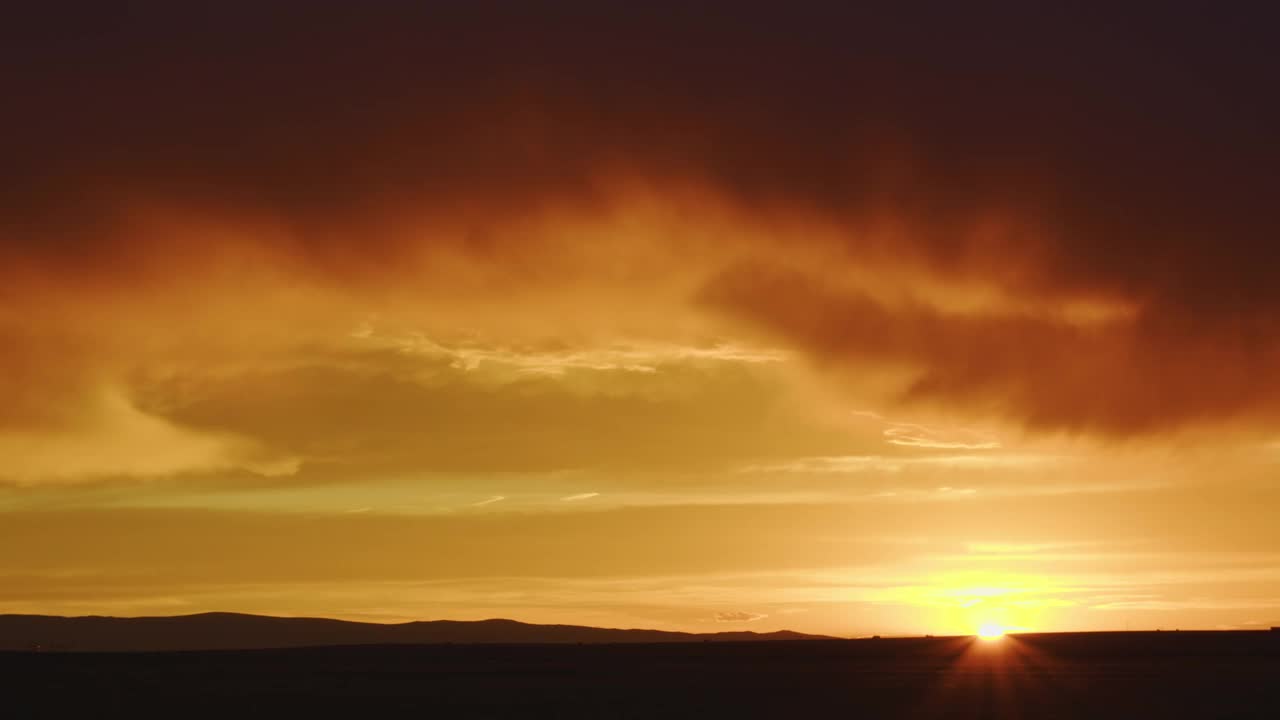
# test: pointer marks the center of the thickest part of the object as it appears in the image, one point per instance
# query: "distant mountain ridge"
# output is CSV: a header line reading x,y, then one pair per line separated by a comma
x,y
235,631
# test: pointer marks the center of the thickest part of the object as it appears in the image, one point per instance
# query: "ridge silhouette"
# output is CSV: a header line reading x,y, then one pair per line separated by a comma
x,y
238,631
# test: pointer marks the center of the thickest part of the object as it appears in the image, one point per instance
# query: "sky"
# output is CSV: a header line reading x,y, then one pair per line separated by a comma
x,y
699,317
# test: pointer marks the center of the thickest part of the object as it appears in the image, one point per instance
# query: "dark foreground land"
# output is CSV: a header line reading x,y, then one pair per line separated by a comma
x,y
1099,675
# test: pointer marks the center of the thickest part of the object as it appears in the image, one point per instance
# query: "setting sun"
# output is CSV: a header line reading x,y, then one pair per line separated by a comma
x,y
991,631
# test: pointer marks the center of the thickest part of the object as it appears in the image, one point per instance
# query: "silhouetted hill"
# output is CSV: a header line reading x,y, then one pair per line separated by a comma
x,y
233,631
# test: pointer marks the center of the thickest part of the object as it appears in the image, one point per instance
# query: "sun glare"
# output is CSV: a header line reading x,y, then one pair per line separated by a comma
x,y
990,631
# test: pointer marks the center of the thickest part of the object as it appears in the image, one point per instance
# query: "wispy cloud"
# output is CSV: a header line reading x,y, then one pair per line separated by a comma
x,y
832,464
489,501
580,496
1193,604
921,436
738,616
907,434
887,464
994,548
619,357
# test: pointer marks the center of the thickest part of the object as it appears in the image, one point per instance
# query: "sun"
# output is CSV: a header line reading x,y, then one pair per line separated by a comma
x,y
991,631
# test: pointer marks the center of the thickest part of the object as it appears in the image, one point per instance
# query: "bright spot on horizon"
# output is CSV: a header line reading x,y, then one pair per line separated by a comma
x,y
991,631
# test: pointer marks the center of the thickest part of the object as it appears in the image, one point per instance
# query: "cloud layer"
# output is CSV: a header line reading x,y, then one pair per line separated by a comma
x,y
1024,217
610,290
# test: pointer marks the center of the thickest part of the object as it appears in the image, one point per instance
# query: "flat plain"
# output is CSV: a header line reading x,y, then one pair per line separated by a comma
x,y
1085,675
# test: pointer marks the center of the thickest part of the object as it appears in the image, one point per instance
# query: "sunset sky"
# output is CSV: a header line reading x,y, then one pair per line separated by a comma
x,y
700,317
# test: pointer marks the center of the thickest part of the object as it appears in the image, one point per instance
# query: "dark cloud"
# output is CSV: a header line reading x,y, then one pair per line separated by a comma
x,y
1130,376
1118,155
335,106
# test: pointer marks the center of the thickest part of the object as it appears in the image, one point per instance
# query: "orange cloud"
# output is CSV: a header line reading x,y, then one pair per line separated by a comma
x,y
749,278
